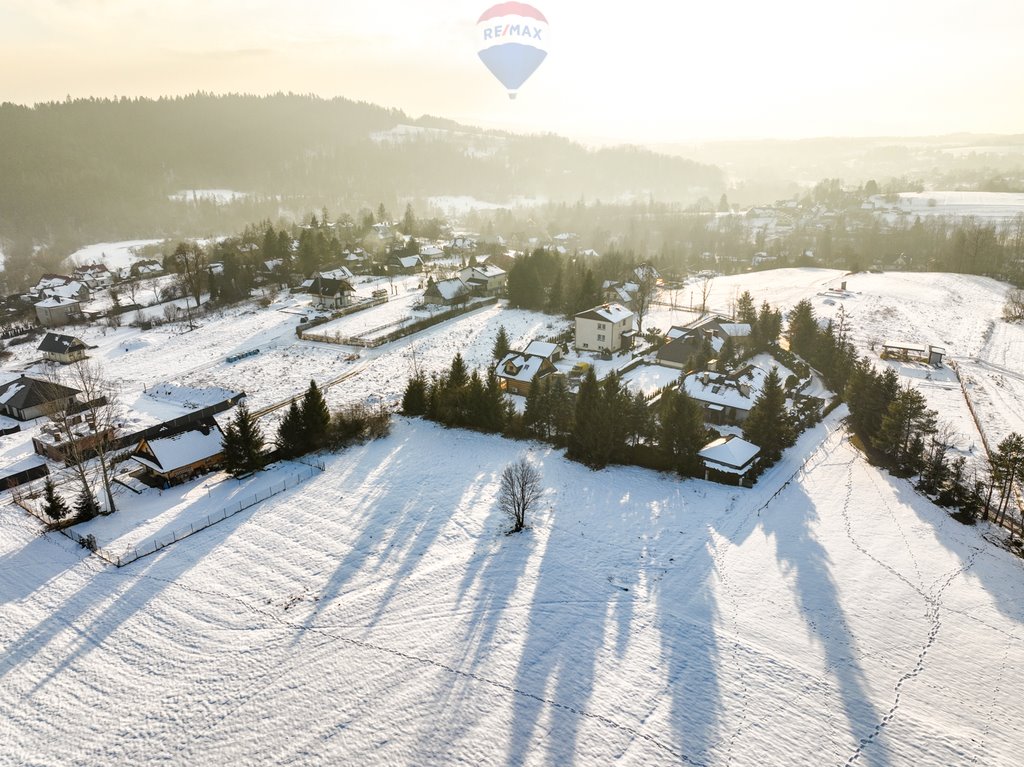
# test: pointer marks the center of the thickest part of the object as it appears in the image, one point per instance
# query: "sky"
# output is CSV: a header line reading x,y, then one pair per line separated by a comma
x,y
644,72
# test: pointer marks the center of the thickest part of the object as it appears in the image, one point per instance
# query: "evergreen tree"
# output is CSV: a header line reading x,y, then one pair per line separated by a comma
x,y
497,406
291,433
243,444
86,506
53,505
537,414
502,345
414,400
589,440
803,330
907,421
561,410
458,375
316,417
745,310
682,433
767,424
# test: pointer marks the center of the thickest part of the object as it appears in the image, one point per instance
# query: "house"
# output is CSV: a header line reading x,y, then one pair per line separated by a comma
x,y
620,292
76,439
728,397
647,272
330,292
146,268
446,292
27,398
516,371
431,251
94,275
903,350
405,264
729,455
57,347
178,456
545,349
484,279
73,289
687,341
54,312
604,328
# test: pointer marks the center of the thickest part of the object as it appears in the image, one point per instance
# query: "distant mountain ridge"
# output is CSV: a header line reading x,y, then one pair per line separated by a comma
x,y
102,169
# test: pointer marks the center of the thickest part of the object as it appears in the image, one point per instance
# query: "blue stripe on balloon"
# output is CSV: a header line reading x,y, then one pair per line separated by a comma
x,y
512,63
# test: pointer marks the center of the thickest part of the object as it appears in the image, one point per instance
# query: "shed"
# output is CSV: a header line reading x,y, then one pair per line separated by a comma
x,y
730,455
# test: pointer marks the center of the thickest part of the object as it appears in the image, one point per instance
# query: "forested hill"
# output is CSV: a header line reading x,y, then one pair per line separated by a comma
x,y
103,169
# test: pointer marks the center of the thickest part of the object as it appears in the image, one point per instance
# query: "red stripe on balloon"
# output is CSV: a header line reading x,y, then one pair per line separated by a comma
x,y
512,9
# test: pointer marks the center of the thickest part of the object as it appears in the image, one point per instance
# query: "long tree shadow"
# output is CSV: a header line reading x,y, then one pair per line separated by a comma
x,y
799,552
148,578
403,512
998,571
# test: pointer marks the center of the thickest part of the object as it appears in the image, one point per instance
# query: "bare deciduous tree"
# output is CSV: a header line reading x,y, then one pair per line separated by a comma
x,y
1013,311
90,427
705,292
647,285
192,272
520,491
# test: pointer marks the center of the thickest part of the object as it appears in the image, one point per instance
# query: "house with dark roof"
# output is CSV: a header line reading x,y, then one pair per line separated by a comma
x,y
27,398
331,292
175,457
686,341
57,347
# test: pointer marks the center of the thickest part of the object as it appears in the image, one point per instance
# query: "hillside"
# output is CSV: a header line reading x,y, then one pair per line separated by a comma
x,y
110,167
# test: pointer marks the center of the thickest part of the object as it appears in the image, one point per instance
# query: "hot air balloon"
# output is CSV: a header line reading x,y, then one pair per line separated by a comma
x,y
513,42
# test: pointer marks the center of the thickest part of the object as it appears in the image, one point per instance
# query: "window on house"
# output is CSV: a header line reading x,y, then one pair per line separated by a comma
x,y
600,326
600,337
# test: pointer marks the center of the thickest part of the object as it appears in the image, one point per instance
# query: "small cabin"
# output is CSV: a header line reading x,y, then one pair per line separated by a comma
x,y
176,458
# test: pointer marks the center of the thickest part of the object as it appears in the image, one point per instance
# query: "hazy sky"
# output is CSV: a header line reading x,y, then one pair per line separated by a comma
x,y
640,71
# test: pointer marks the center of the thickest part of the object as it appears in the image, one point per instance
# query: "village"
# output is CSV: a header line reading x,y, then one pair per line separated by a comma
x,y
159,379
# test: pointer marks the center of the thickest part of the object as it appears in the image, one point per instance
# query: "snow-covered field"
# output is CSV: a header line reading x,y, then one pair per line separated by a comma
x,y
993,207
113,255
377,614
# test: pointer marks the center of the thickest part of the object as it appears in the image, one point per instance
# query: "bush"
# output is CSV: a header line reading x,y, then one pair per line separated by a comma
x,y
357,423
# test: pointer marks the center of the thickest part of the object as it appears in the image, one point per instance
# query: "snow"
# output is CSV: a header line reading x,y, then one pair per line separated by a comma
x,y
650,379
613,313
452,288
190,397
998,207
519,367
378,614
175,452
543,349
113,255
729,452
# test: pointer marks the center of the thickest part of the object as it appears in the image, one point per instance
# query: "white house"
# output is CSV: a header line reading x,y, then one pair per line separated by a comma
x,y
604,328
484,279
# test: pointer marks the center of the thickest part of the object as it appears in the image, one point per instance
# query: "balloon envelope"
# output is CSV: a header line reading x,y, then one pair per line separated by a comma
x,y
513,42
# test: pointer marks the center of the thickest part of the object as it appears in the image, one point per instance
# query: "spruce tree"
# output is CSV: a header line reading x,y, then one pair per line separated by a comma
x,y
291,433
767,424
682,433
316,417
86,506
745,310
502,345
243,444
414,400
53,505
458,374
586,440
803,330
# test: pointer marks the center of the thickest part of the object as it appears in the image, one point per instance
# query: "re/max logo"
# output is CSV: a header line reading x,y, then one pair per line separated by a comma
x,y
512,30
